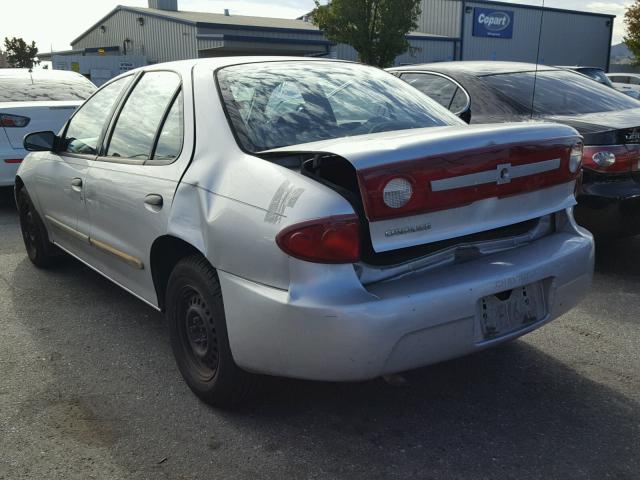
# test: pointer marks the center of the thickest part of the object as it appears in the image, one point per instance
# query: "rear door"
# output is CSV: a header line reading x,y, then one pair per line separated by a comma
x,y
61,176
132,183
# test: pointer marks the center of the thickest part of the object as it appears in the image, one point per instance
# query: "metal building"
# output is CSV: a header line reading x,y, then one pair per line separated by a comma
x,y
493,30
128,37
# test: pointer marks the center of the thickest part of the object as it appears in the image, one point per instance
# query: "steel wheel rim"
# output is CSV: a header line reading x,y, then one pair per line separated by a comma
x,y
198,336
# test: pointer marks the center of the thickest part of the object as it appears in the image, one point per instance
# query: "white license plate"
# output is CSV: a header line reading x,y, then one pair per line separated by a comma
x,y
510,311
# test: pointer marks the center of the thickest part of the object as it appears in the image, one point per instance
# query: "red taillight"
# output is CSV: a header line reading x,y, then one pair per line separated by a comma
x,y
11,121
612,158
458,179
326,240
12,160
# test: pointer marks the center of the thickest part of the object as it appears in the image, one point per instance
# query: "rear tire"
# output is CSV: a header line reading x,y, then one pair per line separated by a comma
x,y
198,334
41,252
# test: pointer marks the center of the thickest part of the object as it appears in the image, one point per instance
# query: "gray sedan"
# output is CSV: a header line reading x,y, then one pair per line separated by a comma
x,y
308,218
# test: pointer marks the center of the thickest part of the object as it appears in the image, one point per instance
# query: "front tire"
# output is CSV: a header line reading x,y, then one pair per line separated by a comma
x,y
198,334
41,252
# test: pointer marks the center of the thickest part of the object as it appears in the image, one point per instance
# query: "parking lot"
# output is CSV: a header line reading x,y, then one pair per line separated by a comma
x,y
90,390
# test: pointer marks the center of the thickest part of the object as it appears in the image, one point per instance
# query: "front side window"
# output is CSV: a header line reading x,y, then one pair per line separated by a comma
x,y
558,93
137,125
277,104
38,89
85,128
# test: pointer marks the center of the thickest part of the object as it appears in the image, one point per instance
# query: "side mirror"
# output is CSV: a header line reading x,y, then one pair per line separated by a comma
x,y
39,142
465,115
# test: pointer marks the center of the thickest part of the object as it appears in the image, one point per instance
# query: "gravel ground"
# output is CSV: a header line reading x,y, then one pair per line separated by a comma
x,y
89,389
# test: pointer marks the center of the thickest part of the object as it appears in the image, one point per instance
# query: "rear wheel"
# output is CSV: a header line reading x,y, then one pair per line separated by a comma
x,y
198,333
41,251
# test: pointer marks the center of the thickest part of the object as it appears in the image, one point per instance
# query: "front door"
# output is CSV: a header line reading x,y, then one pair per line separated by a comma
x,y
62,175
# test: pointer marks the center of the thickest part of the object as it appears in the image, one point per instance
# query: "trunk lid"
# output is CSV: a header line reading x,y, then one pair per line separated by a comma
x,y
463,180
49,115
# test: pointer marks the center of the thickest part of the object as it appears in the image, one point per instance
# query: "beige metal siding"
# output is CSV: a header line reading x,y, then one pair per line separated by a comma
x,y
158,39
422,51
568,38
440,17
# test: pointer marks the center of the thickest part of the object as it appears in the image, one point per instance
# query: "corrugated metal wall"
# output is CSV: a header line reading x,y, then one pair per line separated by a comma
x,y
158,39
422,51
260,33
440,17
567,38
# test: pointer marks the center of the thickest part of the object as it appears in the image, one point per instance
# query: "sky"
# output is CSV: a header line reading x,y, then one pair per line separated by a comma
x,y
54,23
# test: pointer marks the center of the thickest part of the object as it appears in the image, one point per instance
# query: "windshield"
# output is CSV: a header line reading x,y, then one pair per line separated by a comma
x,y
41,89
273,105
559,93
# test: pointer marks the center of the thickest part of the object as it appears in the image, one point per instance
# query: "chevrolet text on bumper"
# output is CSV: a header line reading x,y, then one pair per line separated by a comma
x,y
294,223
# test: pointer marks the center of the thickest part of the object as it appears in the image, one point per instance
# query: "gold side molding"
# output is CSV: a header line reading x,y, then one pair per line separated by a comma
x,y
125,257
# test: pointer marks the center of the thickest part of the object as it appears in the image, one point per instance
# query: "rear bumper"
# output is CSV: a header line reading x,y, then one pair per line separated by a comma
x,y
610,209
9,168
353,333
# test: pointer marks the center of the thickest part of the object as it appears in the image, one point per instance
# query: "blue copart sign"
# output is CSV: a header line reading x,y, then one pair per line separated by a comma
x,y
492,23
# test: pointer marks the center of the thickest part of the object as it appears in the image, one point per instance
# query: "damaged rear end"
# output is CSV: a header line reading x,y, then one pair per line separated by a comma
x,y
444,195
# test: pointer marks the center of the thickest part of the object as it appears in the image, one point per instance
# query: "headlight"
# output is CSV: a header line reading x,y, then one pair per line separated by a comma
x,y
397,193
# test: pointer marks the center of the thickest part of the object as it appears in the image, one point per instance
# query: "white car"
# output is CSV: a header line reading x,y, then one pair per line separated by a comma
x,y
627,83
33,101
309,218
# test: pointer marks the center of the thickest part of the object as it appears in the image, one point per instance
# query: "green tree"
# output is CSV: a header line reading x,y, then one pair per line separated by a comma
x,y
19,53
376,29
632,22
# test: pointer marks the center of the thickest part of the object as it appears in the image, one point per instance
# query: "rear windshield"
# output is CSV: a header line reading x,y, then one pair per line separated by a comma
x,y
40,89
597,74
280,104
559,93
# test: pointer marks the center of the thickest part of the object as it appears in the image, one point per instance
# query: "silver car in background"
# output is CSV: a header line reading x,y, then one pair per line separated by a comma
x,y
308,218
30,101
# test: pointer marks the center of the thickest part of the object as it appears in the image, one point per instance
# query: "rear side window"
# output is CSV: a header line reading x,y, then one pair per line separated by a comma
x,y
41,89
559,93
441,89
85,128
169,143
620,79
140,118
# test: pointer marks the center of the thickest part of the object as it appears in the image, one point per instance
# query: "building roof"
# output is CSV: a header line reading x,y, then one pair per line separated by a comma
x,y
213,19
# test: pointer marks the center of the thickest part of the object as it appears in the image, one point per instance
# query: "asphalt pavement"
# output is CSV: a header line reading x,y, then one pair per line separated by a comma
x,y
89,389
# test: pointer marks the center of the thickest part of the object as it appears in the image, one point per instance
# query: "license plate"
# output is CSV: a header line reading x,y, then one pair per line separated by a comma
x,y
512,310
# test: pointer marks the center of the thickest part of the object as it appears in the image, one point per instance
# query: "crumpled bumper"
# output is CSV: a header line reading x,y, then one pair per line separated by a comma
x,y
329,329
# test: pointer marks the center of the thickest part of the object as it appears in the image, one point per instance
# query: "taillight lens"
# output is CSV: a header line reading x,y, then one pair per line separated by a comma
x,y
612,158
575,159
13,121
326,240
12,160
451,180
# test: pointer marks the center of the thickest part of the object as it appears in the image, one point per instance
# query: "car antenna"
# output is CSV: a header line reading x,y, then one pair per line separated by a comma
x,y
535,75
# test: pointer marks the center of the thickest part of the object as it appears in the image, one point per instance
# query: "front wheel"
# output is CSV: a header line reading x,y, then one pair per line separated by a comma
x,y
198,333
41,251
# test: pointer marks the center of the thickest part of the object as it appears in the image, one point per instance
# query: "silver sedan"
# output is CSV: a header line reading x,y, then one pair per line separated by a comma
x,y
308,218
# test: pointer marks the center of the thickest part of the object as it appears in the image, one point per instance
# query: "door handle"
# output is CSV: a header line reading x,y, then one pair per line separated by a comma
x,y
154,200
76,184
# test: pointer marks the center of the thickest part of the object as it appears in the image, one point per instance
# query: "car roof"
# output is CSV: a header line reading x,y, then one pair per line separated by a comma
x,y
477,68
35,74
218,62
623,74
